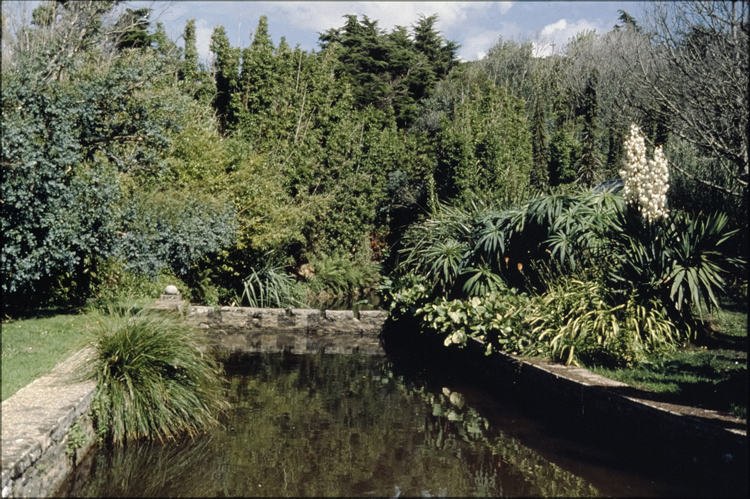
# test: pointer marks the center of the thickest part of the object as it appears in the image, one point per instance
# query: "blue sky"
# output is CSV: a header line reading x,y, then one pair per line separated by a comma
x,y
477,26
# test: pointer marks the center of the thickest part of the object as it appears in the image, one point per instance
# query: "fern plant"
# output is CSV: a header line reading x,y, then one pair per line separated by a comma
x,y
340,276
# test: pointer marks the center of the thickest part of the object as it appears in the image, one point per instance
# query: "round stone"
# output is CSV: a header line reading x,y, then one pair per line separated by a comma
x,y
171,290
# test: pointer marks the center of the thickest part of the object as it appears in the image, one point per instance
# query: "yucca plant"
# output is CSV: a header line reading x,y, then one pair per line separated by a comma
x,y
577,232
564,228
482,247
445,261
544,210
678,261
481,280
155,377
698,264
491,235
448,223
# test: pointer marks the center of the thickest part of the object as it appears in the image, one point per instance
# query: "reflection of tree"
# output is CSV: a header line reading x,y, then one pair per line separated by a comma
x,y
333,425
122,472
454,422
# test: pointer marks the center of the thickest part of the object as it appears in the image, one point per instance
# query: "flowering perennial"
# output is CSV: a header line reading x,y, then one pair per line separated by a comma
x,y
646,181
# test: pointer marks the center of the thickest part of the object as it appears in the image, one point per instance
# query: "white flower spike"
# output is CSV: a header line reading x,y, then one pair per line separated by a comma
x,y
646,181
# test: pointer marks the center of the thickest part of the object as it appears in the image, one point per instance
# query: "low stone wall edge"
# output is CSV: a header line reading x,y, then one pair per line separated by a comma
x,y
36,426
299,331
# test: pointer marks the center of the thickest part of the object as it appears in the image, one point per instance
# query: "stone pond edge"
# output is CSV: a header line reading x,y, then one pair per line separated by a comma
x,y
38,451
46,430
715,438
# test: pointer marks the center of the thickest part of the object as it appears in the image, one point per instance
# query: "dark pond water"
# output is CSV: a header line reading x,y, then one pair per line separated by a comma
x,y
336,425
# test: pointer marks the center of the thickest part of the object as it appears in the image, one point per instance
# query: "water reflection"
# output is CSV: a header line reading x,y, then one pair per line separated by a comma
x,y
331,426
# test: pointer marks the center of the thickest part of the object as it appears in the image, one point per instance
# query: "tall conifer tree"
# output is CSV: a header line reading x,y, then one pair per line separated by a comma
x,y
226,67
190,70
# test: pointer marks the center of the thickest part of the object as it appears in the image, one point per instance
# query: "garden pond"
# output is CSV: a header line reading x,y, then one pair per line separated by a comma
x,y
349,425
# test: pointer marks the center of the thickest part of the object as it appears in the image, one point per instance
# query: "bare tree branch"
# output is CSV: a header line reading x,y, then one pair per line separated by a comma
x,y
687,65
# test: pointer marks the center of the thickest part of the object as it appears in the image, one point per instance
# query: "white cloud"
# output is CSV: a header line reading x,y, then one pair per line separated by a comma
x,y
551,28
321,16
203,34
504,7
476,46
554,37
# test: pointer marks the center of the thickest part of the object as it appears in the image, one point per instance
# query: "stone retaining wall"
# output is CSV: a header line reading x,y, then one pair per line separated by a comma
x,y
37,449
708,437
617,412
299,331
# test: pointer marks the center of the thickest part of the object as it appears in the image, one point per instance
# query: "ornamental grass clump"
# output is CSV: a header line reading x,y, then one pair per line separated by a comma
x,y
155,379
646,181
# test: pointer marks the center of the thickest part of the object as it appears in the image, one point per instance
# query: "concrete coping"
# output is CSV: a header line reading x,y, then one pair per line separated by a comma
x,y
39,416
334,315
703,421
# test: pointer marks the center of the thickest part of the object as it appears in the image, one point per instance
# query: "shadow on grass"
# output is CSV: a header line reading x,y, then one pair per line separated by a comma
x,y
39,313
711,380
709,401
716,340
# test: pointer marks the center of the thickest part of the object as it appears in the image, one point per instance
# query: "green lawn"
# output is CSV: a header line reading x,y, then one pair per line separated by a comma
x,y
713,379
711,373
33,347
